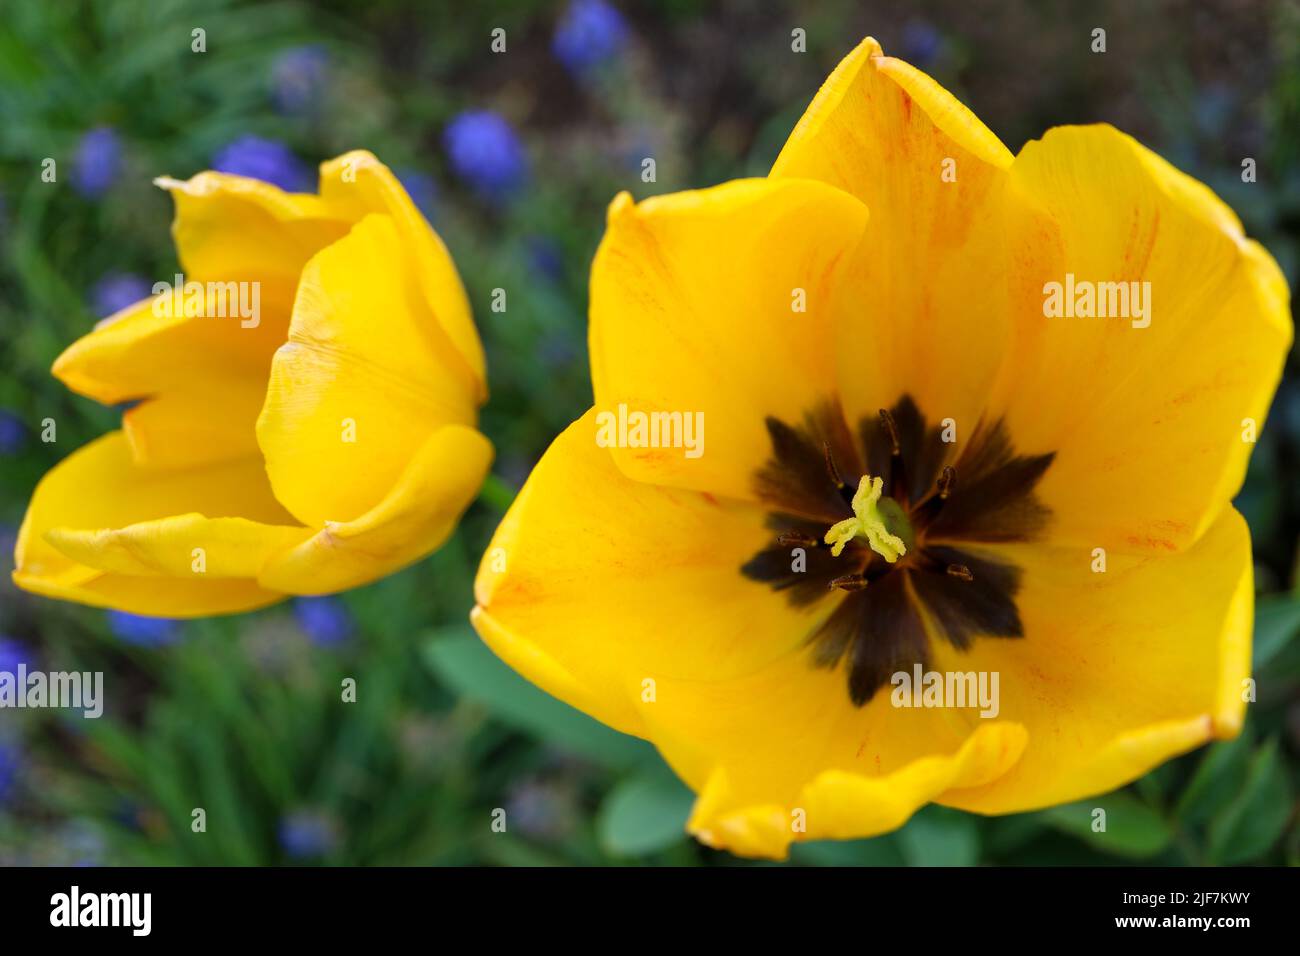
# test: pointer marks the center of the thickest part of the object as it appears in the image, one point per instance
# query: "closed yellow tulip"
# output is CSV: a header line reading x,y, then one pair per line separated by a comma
x,y
930,449
305,407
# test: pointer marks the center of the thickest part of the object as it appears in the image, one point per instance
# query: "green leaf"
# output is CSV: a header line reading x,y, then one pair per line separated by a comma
x,y
1255,818
1004,836
938,836
644,814
1217,779
1277,621
1133,828
466,665
878,851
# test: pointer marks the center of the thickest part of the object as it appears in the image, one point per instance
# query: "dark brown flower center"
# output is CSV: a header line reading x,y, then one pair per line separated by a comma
x,y
942,498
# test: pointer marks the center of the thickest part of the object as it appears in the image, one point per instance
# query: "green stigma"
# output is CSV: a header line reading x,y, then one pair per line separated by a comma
x,y
867,522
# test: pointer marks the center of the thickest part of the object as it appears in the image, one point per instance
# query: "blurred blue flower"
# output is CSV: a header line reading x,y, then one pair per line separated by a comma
x,y
421,188
486,153
306,834
1214,108
545,257
11,760
325,620
559,351
116,290
264,159
14,652
13,433
540,810
590,33
80,844
97,162
126,813
143,631
921,43
298,79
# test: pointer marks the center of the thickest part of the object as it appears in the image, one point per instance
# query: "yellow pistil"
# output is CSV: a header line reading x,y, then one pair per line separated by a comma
x,y
868,522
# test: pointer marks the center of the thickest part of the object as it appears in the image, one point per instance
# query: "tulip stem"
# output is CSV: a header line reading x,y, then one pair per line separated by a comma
x,y
496,494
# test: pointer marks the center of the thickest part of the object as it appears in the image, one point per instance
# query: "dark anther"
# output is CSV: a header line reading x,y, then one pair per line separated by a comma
x,y
961,572
788,539
849,582
947,480
896,478
830,466
887,420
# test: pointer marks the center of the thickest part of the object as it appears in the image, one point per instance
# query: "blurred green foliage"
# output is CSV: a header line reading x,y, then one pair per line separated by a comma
x,y
241,716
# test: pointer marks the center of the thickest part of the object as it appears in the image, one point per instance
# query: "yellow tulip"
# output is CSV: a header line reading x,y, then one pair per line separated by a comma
x,y
915,463
313,443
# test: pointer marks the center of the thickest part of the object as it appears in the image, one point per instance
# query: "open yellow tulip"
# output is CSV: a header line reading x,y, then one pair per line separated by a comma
x,y
316,441
919,462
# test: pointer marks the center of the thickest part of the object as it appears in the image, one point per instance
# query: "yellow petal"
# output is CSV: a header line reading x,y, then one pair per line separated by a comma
x,y
843,804
855,115
143,595
925,308
1117,671
627,600
362,382
232,228
787,738
140,352
611,580
252,240
179,546
1150,418
416,516
206,421
695,310
91,500
358,184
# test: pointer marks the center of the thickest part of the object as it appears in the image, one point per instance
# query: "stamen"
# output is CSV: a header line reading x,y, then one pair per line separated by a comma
x,y
947,480
961,572
868,522
796,539
849,582
887,419
896,477
830,467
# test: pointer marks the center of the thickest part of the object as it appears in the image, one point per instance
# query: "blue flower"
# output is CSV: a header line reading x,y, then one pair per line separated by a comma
x,y
545,257
421,188
540,810
13,653
922,43
298,78
13,433
305,834
264,159
486,153
325,620
97,162
143,631
11,760
590,33
116,290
